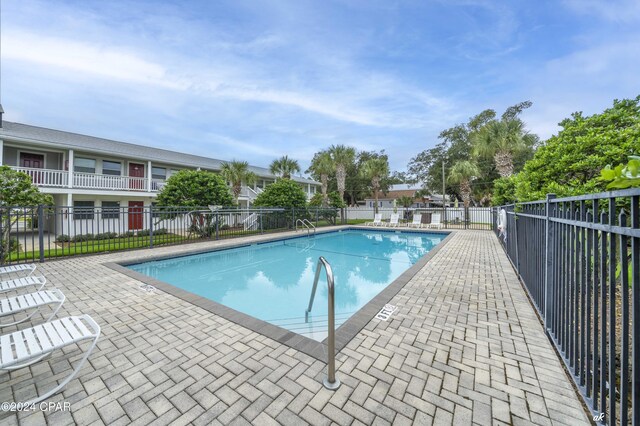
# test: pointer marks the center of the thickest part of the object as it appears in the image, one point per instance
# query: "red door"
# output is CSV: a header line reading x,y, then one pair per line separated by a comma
x,y
136,171
33,161
135,215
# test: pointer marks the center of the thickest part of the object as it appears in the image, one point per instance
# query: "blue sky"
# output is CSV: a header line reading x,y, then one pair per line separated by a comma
x,y
255,80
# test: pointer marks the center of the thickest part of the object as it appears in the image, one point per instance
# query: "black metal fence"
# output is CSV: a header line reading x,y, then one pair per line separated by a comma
x,y
579,259
29,234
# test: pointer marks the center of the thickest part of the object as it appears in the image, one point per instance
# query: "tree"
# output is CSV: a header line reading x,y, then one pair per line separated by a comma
x,y
570,162
341,156
194,188
334,200
623,176
461,174
375,170
16,191
321,168
405,201
282,193
284,167
236,173
502,140
455,146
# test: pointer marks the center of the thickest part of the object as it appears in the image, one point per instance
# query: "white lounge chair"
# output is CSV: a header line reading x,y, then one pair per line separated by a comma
x,y
18,283
435,221
26,347
502,225
393,222
416,222
26,267
377,220
31,302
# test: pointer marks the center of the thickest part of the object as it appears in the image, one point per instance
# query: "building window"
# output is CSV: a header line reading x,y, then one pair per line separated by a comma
x,y
110,210
370,203
83,210
111,168
84,165
158,173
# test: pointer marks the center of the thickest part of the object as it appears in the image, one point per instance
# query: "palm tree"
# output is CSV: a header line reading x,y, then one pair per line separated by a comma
x,y
462,173
502,140
375,169
284,167
323,166
405,201
341,156
235,173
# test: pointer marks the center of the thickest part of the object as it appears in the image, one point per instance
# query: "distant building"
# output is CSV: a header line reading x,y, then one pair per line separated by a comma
x,y
406,190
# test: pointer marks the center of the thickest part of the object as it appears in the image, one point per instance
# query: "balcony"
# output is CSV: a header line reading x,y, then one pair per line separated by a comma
x,y
60,179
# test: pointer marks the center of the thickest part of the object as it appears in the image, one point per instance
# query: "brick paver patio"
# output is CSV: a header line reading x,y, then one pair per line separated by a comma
x,y
464,347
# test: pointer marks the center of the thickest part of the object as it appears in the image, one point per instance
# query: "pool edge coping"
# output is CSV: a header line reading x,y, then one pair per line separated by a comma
x,y
318,350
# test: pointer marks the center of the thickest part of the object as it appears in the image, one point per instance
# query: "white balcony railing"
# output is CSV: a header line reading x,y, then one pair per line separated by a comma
x,y
46,177
60,179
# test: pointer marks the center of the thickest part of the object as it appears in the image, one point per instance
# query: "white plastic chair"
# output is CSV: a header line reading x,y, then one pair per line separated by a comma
x,y
377,220
26,347
31,301
26,267
435,221
393,222
23,282
416,222
502,225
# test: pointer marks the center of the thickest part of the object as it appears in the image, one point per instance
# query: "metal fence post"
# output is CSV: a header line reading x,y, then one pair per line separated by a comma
x,y
261,228
41,231
515,238
151,226
217,225
548,258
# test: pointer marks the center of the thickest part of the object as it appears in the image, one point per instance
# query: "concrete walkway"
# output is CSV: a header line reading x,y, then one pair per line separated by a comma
x,y
465,347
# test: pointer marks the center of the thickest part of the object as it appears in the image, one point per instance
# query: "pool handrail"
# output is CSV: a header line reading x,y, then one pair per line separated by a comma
x,y
330,382
306,224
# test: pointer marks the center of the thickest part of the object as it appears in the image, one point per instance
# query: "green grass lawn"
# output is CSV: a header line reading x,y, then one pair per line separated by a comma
x,y
99,246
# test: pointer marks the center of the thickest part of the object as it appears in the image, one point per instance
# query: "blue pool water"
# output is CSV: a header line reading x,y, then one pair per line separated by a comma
x,y
272,281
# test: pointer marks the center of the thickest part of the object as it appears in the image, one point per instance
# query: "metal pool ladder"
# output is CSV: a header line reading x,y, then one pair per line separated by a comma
x,y
307,224
330,382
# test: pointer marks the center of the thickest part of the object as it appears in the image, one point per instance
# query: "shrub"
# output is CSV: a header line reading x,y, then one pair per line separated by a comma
x,y
63,238
82,238
106,236
282,193
14,245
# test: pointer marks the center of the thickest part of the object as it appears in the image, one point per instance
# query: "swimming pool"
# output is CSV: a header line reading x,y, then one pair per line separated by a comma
x,y
272,281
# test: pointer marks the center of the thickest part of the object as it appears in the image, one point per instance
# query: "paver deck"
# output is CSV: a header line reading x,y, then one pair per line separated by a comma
x,y
464,347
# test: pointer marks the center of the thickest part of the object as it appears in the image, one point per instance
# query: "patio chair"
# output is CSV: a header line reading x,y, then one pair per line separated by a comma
x,y
435,221
19,283
26,267
393,222
502,225
31,301
377,220
26,347
416,222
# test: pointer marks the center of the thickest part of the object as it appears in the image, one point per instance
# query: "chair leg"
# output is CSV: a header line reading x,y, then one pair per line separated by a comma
x,y
69,377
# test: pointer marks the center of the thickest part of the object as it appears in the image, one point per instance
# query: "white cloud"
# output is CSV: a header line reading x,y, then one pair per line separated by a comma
x,y
611,10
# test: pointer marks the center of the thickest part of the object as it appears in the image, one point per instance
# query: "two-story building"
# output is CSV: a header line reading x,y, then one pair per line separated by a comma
x,y
86,171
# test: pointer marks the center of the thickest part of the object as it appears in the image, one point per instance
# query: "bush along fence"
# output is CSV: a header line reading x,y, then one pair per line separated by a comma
x,y
579,259
29,234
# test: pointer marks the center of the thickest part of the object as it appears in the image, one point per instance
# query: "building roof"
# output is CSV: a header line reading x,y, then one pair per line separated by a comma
x,y
68,140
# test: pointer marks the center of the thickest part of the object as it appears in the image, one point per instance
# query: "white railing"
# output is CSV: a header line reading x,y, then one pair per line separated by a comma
x,y
251,222
123,183
249,193
46,177
60,179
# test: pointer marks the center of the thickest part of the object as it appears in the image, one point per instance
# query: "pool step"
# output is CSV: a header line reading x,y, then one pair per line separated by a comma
x,y
317,323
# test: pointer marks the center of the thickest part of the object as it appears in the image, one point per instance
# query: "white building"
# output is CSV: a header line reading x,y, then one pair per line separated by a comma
x,y
86,171
405,190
